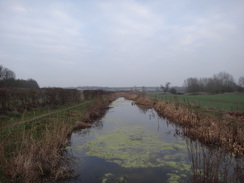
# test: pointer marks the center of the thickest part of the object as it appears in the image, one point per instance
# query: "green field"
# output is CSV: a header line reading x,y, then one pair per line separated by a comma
x,y
227,102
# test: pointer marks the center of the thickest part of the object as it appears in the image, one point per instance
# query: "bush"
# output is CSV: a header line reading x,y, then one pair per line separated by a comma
x,y
25,99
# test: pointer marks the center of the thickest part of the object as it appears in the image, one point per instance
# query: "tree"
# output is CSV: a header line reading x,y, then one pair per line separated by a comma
x,y
31,83
1,72
7,79
219,83
241,81
203,84
173,91
166,87
6,73
9,74
224,82
192,85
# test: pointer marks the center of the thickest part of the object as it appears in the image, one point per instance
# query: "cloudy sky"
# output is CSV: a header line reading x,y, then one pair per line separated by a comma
x,y
66,43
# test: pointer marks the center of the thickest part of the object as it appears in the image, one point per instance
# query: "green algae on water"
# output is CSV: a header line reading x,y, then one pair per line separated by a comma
x,y
134,146
173,178
111,178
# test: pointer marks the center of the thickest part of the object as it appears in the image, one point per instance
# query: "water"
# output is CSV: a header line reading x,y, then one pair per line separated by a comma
x,y
133,145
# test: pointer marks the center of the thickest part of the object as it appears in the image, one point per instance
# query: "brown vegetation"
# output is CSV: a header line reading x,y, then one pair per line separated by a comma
x,y
34,158
220,129
81,125
140,99
99,107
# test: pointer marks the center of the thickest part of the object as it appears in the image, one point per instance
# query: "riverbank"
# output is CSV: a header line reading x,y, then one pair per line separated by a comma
x,y
32,150
220,129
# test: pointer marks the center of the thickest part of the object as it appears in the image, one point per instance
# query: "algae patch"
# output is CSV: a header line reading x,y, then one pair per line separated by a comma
x,y
111,178
134,146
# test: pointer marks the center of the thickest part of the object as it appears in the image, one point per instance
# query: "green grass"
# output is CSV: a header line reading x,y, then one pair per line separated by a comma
x,y
226,102
8,119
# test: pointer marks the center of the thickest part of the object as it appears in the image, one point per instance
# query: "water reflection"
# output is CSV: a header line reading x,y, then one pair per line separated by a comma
x,y
133,144
214,165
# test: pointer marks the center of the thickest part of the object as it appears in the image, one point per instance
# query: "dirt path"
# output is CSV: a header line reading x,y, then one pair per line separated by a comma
x,y
42,116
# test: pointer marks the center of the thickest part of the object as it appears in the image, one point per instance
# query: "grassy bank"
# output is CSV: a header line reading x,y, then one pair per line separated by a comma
x,y
11,119
217,128
227,102
31,150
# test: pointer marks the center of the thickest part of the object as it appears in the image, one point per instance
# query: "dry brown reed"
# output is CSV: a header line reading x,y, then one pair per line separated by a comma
x,y
210,129
38,157
130,95
140,99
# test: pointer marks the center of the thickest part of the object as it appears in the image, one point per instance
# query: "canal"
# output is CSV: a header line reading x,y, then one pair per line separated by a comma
x,y
134,145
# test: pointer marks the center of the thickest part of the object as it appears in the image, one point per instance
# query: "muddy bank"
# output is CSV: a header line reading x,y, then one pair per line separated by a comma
x,y
221,130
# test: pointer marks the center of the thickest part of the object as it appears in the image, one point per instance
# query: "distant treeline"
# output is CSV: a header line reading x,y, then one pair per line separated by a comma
x,y
219,83
18,83
8,79
89,94
25,99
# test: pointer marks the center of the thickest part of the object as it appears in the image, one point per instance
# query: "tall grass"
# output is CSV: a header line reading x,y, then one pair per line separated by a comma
x,y
32,154
36,157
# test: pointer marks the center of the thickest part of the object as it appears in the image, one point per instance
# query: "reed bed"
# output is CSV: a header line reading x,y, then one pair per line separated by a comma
x,y
140,99
221,130
34,158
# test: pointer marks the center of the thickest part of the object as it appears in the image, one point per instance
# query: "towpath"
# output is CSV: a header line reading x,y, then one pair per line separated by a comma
x,y
42,116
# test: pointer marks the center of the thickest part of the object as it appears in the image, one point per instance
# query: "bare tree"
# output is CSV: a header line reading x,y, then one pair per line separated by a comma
x,y
166,87
192,85
219,83
241,81
173,91
6,73
1,71
224,82
10,75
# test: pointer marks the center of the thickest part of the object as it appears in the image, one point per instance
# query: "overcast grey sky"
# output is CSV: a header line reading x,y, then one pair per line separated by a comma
x,y
66,43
